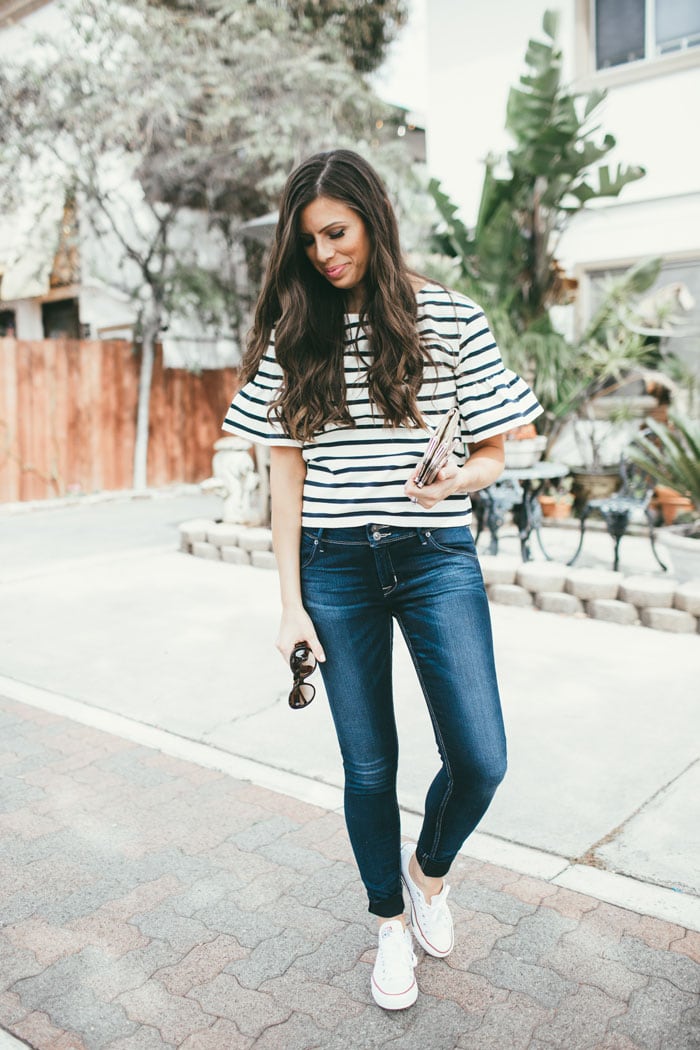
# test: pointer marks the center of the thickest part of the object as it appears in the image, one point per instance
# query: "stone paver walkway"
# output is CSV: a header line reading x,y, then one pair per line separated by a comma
x,y
150,903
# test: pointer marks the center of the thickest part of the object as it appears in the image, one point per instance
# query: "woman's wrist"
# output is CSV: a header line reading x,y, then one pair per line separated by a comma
x,y
465,481
292,605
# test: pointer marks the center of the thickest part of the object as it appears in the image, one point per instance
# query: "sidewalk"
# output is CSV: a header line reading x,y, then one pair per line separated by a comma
x,y
148,903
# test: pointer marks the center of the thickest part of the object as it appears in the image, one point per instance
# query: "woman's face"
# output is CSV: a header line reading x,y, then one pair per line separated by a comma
x,y
337,244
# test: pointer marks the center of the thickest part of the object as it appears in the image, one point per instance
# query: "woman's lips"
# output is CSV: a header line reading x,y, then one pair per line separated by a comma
x,y
335,271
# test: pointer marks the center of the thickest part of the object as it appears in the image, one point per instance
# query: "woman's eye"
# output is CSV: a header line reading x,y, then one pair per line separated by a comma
x,y
306,242
337,234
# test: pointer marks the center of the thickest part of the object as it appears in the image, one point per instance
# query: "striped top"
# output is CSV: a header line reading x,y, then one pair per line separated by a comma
x,y
356,475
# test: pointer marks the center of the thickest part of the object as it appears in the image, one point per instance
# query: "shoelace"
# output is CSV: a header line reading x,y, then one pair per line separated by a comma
x,y
394,947
438,902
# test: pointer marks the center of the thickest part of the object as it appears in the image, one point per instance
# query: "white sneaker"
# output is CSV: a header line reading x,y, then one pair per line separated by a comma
x,y
432,923
393,980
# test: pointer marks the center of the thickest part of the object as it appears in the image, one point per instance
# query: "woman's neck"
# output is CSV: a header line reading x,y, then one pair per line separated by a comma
x,y
355,300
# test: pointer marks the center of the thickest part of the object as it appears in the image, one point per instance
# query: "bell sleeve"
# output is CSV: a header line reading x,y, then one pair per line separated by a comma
x,y
248,414
492,399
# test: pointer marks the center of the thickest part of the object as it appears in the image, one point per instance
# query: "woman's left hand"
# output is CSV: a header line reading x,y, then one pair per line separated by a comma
x,y
447,481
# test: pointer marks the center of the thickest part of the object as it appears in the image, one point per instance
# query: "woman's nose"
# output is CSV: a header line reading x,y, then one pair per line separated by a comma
x,y
325,250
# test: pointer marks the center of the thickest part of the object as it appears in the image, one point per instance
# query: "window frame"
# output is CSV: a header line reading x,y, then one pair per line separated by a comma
x,y
652,65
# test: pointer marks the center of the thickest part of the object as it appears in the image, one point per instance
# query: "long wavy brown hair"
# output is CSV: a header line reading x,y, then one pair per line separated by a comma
x,y
307,313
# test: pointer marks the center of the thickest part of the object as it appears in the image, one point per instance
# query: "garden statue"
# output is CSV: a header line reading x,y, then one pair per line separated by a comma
x,y
236,480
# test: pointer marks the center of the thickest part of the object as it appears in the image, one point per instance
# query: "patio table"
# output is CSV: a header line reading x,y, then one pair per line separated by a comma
x,y
516,490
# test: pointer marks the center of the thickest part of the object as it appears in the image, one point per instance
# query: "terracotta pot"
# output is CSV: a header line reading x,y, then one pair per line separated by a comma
x,y
671,503
522,433
555,508
660,414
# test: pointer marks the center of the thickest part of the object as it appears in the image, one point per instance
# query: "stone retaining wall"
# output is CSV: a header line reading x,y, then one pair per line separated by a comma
x,y
653,601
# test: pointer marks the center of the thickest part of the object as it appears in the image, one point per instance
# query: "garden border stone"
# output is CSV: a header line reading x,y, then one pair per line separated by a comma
x,y
661,604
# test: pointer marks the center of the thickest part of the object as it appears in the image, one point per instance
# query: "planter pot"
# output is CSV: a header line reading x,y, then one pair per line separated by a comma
x,y
683,552
555,508
525,452
671,503
594,484
659,413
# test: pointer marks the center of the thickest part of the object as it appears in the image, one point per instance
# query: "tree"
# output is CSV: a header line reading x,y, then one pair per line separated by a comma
x,y
363,30
172,124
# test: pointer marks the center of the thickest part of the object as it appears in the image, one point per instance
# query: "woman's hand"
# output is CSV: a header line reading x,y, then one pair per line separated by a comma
x,y
483,467
446,482
296,626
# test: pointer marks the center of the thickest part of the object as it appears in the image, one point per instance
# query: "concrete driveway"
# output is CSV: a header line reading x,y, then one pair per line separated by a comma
x,y
97,605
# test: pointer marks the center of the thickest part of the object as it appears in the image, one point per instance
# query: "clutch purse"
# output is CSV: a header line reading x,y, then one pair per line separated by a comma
x,y
439,447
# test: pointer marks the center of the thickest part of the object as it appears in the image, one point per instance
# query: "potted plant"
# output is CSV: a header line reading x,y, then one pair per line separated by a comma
x,y
671,456
671,503
557,501
524,446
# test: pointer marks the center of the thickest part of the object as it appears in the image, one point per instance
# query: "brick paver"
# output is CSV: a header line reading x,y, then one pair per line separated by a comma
x,y
148,904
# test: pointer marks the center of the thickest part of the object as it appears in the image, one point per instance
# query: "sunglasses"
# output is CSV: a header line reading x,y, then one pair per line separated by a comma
x,y
303,663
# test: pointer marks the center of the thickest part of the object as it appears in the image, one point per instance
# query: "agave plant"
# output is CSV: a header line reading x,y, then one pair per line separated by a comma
x,y
671,456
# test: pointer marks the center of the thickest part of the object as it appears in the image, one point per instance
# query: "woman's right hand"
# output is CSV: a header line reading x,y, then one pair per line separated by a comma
x,y
295,627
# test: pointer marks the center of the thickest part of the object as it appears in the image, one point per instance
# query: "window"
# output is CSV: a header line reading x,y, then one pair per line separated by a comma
x,y
631,30
7,324
60,319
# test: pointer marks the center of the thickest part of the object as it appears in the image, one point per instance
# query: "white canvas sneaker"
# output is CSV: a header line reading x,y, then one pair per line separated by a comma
x,y
432,923
393,980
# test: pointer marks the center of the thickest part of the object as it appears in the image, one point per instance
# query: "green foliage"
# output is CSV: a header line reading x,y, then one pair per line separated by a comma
x,y
672,455
619,295
363,31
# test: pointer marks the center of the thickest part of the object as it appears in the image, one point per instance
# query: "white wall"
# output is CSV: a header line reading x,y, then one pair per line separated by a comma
x,y
475,55
28,323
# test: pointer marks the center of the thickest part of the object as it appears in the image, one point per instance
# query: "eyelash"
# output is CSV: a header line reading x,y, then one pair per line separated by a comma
x,y
307,242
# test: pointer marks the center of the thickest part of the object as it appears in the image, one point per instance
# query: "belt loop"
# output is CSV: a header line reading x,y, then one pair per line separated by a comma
x,y
421,537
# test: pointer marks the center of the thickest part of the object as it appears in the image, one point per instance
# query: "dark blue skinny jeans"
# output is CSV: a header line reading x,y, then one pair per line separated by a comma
x,y
355,582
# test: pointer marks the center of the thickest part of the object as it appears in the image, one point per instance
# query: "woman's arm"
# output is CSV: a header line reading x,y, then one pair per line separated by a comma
x,y
484,466
287,473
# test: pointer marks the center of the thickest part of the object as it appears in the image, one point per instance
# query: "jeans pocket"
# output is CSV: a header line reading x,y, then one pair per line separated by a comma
x,y
453,541
308,549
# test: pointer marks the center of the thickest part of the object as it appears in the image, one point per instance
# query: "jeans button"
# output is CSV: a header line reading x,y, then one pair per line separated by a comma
x,y
376,535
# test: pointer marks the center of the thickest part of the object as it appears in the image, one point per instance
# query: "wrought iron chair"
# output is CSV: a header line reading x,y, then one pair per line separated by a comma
x,y
632,499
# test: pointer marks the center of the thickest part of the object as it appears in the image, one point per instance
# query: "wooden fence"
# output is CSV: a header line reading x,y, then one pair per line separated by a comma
x,y
68,418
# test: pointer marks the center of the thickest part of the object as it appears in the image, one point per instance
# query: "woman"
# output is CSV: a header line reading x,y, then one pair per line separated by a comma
x,y
353,360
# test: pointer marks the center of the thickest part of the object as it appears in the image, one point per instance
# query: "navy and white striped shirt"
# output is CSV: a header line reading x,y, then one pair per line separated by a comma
x,y
356,475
